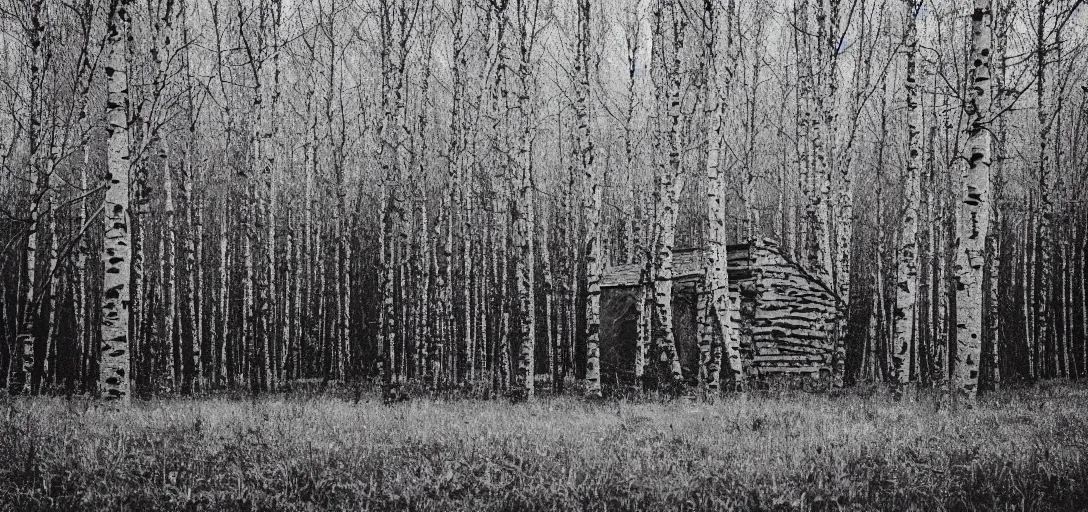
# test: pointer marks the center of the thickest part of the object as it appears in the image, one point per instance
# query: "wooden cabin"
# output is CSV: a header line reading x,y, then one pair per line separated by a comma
x,y
785,316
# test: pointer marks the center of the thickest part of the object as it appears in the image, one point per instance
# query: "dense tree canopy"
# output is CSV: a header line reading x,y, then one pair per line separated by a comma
x,y
252,192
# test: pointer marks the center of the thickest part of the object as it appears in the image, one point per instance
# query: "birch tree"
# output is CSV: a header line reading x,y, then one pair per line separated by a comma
x,y
994,236
26,339
717,38
1044,174
669,20
527,16
585,158
974,216
907,270
114,365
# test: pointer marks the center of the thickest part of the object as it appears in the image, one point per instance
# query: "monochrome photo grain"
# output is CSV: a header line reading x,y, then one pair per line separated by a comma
x,y
543,255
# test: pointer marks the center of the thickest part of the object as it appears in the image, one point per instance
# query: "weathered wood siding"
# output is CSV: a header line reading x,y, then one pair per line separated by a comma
x,y
784,315
687,265
793,321
619,328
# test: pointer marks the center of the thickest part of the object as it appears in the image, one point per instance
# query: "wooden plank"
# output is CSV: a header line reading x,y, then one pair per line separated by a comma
x,y
775,358
767,370
777,330
766,348
798,349
786,319
793,348
796,315
687,264
782,315
797,295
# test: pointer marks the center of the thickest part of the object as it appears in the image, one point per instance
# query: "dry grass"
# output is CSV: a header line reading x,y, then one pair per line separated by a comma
x,y
1018,450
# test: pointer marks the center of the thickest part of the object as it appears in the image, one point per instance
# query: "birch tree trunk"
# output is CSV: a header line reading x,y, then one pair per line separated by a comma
x,y
1066,352
198,287
585,159
308,242
191,374
548,286
155,291
224,377
6,355
819,208
293,362
502,346
524,217
82,339
1044,226
385,310
114,363
25,337
1084,294
393,136
245,359
725,343
667,90
974,212
994,239
454,198
169,266
53,286
1031,345
837,254
907,270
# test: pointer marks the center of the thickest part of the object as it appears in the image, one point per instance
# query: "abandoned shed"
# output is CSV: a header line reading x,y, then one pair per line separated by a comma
x,y
784,316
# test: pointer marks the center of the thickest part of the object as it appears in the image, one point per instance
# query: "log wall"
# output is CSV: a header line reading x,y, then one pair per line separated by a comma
x,y
794,317
784,315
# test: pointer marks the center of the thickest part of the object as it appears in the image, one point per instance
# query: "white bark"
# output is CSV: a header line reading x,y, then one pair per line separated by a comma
x,y
25,339
668,92
194,370
524,217
717,276
1044,225
224,289
907,271
169,266
79,293
974,216
585,158
114,363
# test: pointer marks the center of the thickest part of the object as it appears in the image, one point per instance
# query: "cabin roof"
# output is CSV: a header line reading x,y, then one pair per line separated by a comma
x,y
690,263
686,263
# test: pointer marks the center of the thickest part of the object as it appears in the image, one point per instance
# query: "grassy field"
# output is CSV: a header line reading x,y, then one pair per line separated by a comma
x,y
1025,449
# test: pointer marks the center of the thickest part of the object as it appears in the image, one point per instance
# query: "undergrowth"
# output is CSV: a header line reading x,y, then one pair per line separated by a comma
x,y
1022,450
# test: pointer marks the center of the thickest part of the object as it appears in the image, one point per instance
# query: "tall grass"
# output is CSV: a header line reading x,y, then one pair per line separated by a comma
x,y
1016,450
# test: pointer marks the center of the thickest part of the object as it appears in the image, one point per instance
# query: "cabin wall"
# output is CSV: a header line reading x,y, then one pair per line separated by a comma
x,y
619,328
793,320
783,316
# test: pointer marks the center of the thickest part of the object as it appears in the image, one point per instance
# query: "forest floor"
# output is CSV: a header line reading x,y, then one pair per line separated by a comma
x,y
1020,449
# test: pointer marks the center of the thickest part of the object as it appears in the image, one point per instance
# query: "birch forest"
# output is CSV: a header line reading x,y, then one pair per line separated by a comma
x,y
206,195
